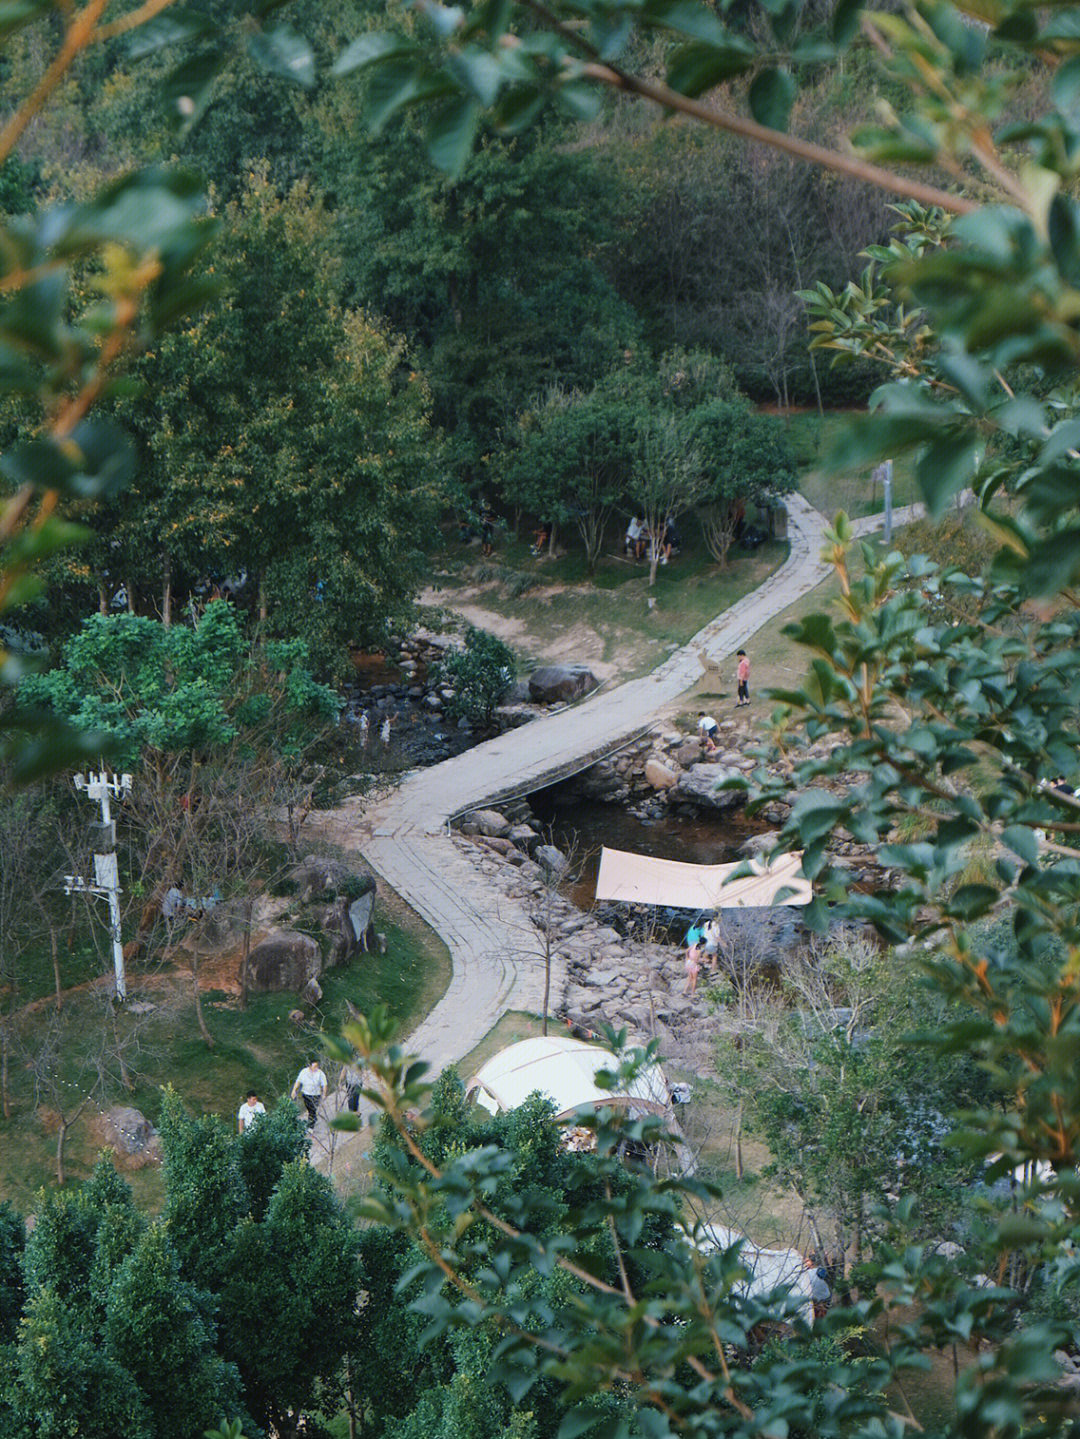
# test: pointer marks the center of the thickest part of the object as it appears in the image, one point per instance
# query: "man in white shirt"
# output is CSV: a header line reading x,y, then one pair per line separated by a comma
x,y
311,1082
708,730
249,1111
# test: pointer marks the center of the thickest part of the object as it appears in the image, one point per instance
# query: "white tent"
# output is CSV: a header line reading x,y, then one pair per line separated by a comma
x,y
640,879
767,1269
564,1070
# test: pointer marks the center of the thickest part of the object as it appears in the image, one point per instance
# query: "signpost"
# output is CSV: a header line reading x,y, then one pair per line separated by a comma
x,y
106,883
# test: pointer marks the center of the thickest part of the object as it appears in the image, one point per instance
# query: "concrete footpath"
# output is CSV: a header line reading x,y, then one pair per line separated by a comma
x,y
494,946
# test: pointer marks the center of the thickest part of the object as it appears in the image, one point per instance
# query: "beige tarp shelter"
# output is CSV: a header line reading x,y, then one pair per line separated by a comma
x,y
640,879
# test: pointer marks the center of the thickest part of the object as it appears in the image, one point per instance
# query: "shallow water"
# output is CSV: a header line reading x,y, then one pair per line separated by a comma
x,y
582,827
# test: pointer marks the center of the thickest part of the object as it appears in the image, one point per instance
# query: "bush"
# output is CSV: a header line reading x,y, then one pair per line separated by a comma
x,y
479,675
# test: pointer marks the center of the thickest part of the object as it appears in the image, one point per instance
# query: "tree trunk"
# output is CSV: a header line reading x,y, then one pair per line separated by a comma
x,y
56,967
61,1136
207,1036
551,541
245,952
547,978
262,598
102,599
738,1141
166,591
129,590
5,1097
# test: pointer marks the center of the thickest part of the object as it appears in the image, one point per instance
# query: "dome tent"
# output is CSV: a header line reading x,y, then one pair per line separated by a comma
x,y
563,1070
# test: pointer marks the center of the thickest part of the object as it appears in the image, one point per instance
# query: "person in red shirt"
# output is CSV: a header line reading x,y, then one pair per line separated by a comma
x,y
742,673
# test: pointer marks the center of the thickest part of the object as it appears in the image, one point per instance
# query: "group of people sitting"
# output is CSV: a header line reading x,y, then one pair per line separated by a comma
x,y
703,942
639,537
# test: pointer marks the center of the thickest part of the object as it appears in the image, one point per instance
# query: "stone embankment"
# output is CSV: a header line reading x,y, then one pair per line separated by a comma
x,y
622,965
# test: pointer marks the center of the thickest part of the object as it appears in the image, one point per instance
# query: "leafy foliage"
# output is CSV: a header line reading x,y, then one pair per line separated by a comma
x,y
480,673
195,688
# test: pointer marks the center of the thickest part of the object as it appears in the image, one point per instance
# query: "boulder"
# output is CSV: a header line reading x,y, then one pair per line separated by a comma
x,y
317,874
312,992
756,844
491,822
524,836
284,960
659,774
699,786
551,860
554,683
127,1130
498,846
688,753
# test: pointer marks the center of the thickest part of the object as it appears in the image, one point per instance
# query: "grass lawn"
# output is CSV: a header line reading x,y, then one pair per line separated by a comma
x,y
811,436
258,1047
551,611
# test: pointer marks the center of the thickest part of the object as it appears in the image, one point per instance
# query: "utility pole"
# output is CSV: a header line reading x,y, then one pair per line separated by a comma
x,y
884,474
106,874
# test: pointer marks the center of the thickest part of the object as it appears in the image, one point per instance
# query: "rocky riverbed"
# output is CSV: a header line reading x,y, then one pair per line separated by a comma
x,y
623,965
405,688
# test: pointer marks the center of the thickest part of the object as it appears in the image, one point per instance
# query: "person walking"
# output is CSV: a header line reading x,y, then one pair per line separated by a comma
x,y
311,1084
354,1082
249,1111
742,674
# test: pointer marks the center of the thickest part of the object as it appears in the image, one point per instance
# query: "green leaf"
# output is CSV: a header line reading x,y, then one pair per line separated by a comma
x,y
172,28
282,51
517,109
1022,841
1064,232
845,20
443,19
772,95
14,14
96,461
186,91
685,18
697,67
451,134
370,48
478,72
1065,86
579,98
945,468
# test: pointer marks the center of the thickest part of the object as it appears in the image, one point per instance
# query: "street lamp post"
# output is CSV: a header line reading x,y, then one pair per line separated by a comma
x,y
106,883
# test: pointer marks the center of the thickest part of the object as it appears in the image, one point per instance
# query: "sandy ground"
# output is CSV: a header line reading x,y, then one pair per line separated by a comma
x,y
580,644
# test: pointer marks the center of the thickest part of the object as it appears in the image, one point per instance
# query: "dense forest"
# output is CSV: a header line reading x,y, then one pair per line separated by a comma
x,y
388,345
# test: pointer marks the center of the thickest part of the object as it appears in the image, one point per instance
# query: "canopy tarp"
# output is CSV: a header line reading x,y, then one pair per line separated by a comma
x,y
640,879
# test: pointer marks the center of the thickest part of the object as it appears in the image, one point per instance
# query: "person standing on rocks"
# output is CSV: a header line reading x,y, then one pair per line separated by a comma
x,y
742,674
693,968
311,1083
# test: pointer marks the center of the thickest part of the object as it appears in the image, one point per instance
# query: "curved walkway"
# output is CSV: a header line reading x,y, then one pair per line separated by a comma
x,y
495,948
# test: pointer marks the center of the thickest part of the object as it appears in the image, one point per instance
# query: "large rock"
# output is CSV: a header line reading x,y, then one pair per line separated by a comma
x,y
126,1129
491,822
551,860
318,875
688,753
285,960
659,774
553,683
524,836
699,786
